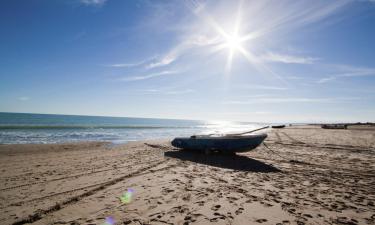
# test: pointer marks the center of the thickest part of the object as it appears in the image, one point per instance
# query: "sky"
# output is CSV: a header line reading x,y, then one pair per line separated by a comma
x,y
255,61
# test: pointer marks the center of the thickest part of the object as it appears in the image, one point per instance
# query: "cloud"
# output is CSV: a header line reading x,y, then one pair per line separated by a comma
x,y
23,98
165,60
289,100
293,77
93,2
171,56
203,31
327,79
180,92
151,75
263,87
275,100
289,59
348,71
181,49
268,19
127,65
278,19
169,92
372,1
133,64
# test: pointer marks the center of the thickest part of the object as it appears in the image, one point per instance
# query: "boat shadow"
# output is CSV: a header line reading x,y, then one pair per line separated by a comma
x,y
234,162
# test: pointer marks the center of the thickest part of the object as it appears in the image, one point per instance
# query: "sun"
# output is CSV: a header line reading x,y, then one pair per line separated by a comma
x,y
233,42
232,39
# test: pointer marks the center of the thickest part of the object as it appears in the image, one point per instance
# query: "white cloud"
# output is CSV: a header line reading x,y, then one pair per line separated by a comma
x,y
165,60
203,32
372,1
293,77
93,2
348,71
23,98
327,79
174,54
181,49
151,75
275,100
289,59
180,92
169,92
289,100
268,19
263,87
132,64
127,65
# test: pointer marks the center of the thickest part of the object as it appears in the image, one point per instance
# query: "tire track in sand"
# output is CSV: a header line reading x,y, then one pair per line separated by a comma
x,y
58,206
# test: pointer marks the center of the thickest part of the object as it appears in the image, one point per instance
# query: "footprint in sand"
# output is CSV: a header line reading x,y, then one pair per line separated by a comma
x,y
239,211
186,197
192,218
201,203
215,207
261,220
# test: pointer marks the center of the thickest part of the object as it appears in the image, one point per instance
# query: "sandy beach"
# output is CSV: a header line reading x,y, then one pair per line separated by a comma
x,y
307,175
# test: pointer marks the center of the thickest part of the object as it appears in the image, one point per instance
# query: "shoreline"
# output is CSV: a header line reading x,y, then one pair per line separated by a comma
x,y
311,176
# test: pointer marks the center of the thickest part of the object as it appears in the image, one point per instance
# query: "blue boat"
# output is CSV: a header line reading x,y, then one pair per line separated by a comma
x,y
227,144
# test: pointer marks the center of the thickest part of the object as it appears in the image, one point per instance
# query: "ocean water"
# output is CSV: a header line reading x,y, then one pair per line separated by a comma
x,y
22,128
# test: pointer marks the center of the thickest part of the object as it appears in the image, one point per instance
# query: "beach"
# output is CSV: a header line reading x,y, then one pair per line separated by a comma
x,y
303,175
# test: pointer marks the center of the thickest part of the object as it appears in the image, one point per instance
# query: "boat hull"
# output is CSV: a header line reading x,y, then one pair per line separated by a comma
x,y
226,144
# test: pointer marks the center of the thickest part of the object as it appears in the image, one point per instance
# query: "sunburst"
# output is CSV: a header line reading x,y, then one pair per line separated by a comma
x,y
232,41
236,41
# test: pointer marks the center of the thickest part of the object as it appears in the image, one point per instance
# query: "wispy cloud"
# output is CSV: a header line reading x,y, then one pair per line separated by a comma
x,y
181,49
208,32
172,55
93,2
169,92
263,87
288,100
202,32
151,75
289,59
132,64
165,60
127,65
23,98
345,71
275,100
180,92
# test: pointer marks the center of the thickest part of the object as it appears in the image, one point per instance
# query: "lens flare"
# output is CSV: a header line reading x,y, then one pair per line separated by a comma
x,y
109,221
127,196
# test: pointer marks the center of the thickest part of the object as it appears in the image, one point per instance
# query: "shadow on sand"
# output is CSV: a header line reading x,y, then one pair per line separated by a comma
x,y
234,162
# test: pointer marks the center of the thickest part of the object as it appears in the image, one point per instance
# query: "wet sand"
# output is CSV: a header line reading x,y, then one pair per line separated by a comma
x,y
308,175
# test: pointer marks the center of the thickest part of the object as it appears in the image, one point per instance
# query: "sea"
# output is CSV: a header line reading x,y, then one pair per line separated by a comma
x,y
25,128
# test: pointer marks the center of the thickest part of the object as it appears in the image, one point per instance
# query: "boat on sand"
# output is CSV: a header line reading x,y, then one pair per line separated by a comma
x,y
334,126
227,144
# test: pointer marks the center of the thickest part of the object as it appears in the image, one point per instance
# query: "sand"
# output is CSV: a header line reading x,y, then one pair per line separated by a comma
x,y
307,176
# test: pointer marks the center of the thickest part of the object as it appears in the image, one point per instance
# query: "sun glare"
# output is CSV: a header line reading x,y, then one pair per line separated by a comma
x,y
233,43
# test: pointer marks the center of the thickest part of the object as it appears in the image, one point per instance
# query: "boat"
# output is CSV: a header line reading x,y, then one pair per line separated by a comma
x,y
278,126
334,126
226,144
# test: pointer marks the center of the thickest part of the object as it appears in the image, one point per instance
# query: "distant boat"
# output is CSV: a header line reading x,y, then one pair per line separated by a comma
x,y
278,126
227,144
335,126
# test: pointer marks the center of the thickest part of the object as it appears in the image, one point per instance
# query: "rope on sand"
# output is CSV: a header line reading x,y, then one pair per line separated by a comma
x,y
291,161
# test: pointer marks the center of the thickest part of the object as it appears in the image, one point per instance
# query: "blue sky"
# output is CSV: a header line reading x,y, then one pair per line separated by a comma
x,y
262,61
